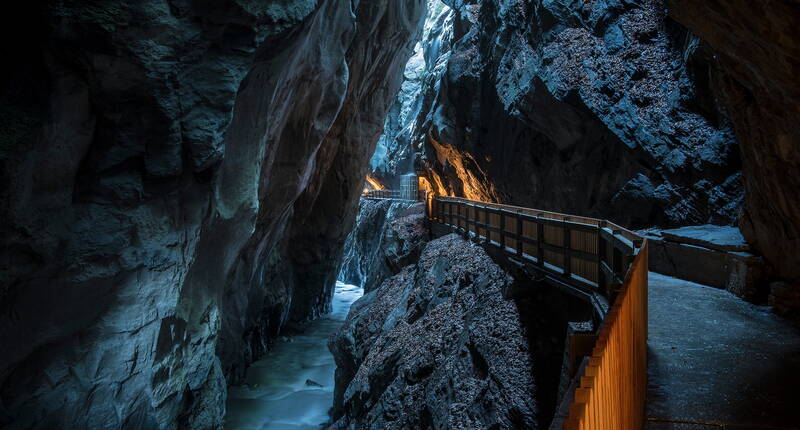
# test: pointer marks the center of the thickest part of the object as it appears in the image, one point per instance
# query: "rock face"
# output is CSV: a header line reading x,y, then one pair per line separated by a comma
x,y
436,346
178,179
595,108
618,109
388,235
757,61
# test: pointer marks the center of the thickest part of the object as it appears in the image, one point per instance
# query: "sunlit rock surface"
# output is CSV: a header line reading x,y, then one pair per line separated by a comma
x,y
170,165
292,387
436,346
388,235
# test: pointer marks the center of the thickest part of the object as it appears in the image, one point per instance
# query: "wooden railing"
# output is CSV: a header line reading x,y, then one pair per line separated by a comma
x,y
593,254
612,389
582,251
421,195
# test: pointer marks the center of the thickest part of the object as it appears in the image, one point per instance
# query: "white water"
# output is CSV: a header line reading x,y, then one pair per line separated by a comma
x,y
275,395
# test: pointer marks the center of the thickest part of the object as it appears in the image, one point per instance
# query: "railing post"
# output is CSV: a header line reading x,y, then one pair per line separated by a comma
x,y
520,245
465,208
616,259
567,242
473,219
450,214
502,223
601,257
540,239
479,209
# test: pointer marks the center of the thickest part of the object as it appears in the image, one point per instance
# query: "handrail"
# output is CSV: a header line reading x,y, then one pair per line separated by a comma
x,y
613,384
587,252
422,195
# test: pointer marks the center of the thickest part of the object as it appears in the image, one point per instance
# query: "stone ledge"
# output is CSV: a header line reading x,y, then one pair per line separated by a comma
x,y
741,273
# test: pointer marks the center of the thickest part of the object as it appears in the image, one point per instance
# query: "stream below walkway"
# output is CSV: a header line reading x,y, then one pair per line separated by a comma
x,y
292,387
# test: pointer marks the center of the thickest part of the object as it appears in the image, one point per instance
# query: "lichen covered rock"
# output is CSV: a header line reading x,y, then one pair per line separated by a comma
x,y
436,346
599,108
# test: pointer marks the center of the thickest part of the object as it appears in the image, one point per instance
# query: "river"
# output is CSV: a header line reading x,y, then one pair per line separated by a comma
x,y
292,387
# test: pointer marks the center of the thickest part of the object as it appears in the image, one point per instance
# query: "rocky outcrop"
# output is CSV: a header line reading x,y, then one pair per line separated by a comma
x,y
755,67
595,108
178,179
436,346
389,235
618,109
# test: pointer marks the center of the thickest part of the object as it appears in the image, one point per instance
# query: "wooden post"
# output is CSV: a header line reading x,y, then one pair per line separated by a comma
x,y
601,257
616,259
502,229
540,239
478,218
567,247
472,218
450,213
520,245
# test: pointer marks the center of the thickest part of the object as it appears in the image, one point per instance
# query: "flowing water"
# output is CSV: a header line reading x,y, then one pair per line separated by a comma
x,y
292,387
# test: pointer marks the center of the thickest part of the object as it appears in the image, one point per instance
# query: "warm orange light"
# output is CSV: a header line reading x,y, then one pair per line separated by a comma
x,y
473,187
373,183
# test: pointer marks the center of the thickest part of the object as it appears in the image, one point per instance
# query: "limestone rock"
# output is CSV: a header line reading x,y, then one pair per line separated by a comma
x,y
436,346
170,165
388,235
594,108
756,69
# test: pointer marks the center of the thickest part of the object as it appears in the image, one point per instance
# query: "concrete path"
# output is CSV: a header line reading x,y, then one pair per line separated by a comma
x,y
718,361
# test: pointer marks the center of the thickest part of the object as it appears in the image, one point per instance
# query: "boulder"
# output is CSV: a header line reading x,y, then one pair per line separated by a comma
x,y
436,346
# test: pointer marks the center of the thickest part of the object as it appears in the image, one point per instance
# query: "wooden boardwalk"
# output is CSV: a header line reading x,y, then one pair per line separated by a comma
x,y
595,256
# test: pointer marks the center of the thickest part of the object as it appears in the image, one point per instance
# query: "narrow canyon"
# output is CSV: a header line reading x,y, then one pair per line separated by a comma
x,y
399,214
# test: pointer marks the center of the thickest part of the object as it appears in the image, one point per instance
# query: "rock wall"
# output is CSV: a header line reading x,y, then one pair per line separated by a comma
x,y
756,64
650,113
436,346
595,108
388,235
174,176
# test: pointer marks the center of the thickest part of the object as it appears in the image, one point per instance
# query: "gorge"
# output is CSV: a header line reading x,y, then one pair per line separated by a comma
x,y
183,192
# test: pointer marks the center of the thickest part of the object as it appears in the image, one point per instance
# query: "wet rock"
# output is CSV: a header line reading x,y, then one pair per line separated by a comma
x,y
310,383
173,163
436,346
388,235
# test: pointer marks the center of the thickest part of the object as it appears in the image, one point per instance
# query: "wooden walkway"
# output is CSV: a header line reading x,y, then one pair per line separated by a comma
x,y
595,256
717,362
